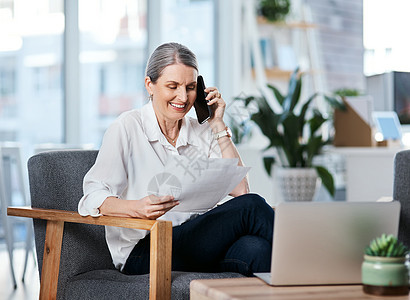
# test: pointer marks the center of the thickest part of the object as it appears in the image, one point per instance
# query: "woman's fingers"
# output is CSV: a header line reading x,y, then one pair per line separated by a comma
x,y
160,199
216,103
158,206
164,206
214,97
213,94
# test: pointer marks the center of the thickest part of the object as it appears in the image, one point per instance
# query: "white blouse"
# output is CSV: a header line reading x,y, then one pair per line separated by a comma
x,y
133,151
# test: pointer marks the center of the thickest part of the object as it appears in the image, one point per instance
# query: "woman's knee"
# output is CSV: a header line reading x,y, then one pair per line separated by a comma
x,y
254,202
255,246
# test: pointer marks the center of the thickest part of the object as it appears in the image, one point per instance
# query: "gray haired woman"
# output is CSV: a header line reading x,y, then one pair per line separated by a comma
x,y
235,236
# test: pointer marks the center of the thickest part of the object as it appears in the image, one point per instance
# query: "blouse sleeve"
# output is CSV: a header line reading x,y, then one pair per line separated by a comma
x,y
108,176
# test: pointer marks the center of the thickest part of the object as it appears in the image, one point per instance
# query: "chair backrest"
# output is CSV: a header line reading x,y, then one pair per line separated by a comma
x,y
56,182
401,192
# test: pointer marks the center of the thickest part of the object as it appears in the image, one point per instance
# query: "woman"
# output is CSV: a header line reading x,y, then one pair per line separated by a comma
x,y
235,236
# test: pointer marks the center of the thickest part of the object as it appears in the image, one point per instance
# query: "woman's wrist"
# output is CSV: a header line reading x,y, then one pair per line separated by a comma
x,y
217,126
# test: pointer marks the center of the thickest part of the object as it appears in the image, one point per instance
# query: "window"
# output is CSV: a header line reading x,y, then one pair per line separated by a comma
x,y
113,43
30,71
385,36
192,23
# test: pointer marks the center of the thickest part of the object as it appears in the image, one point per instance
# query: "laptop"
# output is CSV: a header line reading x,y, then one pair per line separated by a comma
x,y
321,243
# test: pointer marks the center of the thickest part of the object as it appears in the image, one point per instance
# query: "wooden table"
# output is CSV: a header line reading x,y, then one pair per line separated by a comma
x,y
254,288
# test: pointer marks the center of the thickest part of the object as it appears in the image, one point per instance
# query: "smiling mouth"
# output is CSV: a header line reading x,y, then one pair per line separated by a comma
x,y
177,105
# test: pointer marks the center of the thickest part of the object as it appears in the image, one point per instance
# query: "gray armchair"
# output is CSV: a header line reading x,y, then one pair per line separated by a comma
x,y
401,193
84,270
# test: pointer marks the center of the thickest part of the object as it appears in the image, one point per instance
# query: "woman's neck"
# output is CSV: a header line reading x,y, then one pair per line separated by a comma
x,y
170,129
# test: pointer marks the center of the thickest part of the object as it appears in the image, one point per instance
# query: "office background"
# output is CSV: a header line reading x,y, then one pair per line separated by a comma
x,y
69,68
64,83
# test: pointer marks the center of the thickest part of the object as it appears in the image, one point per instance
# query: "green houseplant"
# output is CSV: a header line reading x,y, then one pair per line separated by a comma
x,y
274,10
384,269
295,132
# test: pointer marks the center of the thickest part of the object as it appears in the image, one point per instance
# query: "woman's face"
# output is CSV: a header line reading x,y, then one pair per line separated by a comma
x,y
174,92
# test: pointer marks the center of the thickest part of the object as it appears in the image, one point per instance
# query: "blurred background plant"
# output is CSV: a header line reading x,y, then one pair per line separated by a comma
x,y
296,131
346,92
274,10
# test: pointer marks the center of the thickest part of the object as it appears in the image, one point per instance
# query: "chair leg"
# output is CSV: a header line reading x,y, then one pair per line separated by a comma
x,y
10,248
8,229
29,245
160,261
51,260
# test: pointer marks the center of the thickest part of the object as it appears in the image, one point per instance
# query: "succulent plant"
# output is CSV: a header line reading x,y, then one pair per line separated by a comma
x,y
386,245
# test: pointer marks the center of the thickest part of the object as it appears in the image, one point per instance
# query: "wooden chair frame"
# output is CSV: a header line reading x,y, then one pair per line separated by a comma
x,y
160,251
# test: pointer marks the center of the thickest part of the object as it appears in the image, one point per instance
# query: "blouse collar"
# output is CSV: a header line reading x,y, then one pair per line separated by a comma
x,y
153,131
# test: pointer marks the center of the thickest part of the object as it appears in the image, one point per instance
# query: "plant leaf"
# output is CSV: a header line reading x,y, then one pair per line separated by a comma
x,y
268,162
312,148
316,121
278,95
327,179
335,103
302,120
291,138
296,94
292,89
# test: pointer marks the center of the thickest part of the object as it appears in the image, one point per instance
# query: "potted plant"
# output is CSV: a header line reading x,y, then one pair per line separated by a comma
x,y
295,133
274,10
384,269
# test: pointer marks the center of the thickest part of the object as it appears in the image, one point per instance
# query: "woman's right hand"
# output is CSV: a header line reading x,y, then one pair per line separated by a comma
x,y
150,207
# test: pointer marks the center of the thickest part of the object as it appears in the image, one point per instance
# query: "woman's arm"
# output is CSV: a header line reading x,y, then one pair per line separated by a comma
x,y
149,207
226,144
108,178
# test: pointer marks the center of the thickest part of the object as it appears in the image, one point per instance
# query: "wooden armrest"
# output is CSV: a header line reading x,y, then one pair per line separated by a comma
x,y
160,252
75,217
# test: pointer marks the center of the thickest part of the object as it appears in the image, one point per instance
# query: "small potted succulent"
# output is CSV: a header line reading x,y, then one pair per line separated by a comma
x,y
385,269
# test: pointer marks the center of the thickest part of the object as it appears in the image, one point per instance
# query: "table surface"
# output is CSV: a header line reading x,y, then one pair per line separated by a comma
x,y
255,288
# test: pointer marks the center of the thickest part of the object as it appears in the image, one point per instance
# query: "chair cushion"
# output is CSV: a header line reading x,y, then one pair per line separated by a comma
x,y
111,284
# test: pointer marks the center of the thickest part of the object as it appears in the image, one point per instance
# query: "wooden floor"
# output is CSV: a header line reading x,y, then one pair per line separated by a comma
x,y
27,290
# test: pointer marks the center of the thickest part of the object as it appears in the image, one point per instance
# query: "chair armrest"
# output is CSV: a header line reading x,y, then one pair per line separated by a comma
x,y
75,217
160,253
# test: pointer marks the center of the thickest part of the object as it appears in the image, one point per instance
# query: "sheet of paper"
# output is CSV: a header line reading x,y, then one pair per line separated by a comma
x,y
199,183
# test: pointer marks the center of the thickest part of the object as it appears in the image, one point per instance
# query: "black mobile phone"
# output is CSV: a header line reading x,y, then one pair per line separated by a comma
x,y
203,111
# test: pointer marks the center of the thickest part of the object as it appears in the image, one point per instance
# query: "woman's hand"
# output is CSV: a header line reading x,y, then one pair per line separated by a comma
x,y
150,207
218,108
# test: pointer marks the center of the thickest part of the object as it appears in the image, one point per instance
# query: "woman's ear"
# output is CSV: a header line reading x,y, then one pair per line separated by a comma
x,y
148,85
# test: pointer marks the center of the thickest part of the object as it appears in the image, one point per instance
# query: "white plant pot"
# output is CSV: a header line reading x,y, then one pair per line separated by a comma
x,y
297,184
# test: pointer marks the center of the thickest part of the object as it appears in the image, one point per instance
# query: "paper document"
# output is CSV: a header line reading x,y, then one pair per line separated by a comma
x,y
200,183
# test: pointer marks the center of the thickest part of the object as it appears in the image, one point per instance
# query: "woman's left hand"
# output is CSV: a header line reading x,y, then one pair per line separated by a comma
x,y
217,104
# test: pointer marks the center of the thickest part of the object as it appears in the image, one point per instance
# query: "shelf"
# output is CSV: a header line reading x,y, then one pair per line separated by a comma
x,y
278,73
292,25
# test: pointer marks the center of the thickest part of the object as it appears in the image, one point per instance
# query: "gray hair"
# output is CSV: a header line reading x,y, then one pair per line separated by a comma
x,y
168,54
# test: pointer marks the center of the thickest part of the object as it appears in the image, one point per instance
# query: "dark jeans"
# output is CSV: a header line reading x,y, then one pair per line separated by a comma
x,y
233,237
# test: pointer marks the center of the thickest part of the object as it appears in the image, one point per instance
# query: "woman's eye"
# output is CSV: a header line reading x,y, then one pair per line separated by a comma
x,y
190,88
172,87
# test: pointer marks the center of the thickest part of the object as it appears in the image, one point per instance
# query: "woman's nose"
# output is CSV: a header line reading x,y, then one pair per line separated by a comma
x,y
182,94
